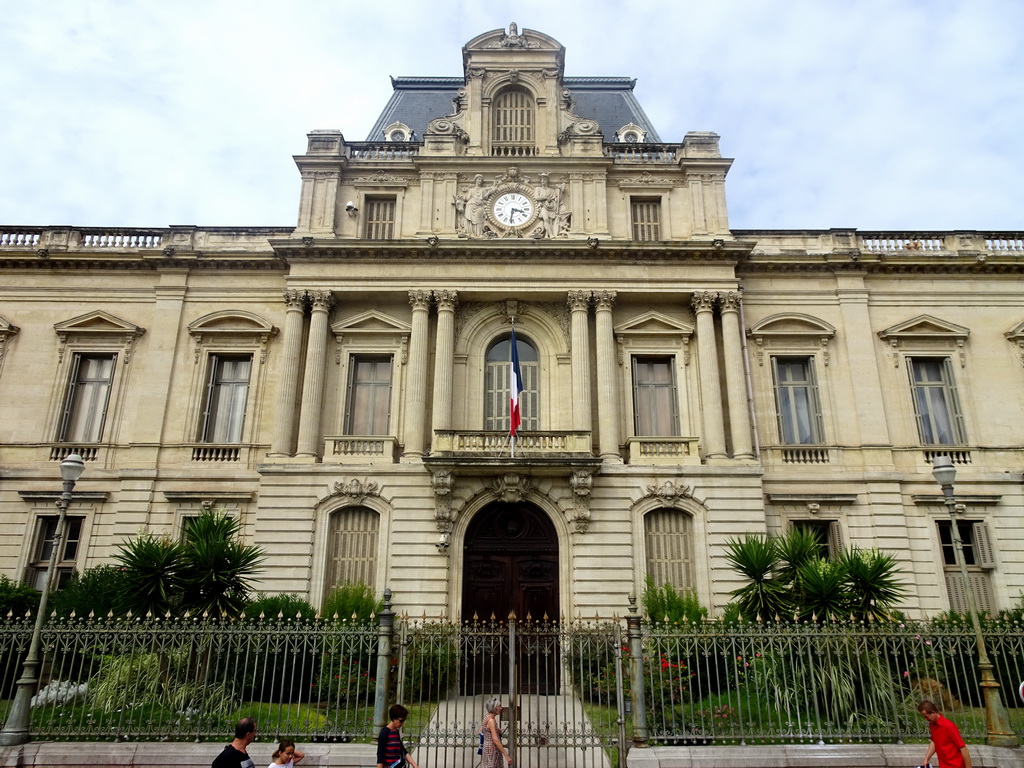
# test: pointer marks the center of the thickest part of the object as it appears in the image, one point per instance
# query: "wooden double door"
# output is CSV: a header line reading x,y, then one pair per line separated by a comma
x,y
510,569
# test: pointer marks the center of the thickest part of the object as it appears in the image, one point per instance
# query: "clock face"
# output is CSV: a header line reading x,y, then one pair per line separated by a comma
x,y
513,209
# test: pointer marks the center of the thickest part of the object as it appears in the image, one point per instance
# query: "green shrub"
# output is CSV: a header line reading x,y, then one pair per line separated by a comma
x,y
661,603
272,606
17,598
351,599
98,590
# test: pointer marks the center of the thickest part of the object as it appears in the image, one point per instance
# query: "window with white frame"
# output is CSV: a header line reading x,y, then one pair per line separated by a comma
x,y
936,405
87,397
797,405
668,541
227,393
352,536
368,403
655,411
497,375
979,559
42,549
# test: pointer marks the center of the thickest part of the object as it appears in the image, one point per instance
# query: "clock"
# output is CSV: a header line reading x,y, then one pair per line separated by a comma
x,y
513,209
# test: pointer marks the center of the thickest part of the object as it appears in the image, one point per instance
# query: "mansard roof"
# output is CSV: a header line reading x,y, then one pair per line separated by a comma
x,y
608,100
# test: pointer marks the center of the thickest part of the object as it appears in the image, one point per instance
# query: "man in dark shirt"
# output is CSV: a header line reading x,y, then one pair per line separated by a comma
x,y
234,755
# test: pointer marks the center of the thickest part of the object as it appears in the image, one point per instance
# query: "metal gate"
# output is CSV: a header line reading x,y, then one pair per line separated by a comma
x,y
561,685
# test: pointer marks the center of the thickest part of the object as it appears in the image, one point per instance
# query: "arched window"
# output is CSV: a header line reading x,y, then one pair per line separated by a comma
x,y
497,374
512,118
352,547
668,538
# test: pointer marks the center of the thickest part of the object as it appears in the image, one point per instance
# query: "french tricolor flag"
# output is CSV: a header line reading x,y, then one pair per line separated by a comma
x,y
515,386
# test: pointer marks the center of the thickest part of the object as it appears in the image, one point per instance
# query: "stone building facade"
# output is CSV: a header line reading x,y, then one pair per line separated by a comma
x,y
342,386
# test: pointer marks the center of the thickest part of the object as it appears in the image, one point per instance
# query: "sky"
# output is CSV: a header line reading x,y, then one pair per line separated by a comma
x,y
873,114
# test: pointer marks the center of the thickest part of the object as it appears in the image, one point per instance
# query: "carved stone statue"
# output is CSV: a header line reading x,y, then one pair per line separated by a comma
x,y
554,218
470,207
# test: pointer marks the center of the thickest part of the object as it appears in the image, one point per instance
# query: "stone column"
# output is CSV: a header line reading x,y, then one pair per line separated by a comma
x,y
416,376
283,442
444,358
579,305
710,396
607,379
739,411
310,440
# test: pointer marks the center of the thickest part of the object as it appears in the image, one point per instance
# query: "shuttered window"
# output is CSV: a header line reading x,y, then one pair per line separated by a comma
x,y
979,558
85,403
828,533
368,405
497,372
352,552
512,118
380,218
46,528
654,397
668,538
646,218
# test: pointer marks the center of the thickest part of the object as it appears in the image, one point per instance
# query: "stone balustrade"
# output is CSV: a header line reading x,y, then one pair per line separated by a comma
x,y
624,152
663,450
480,444
360,449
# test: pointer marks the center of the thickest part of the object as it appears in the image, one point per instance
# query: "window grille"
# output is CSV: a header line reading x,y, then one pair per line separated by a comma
x,y
512,118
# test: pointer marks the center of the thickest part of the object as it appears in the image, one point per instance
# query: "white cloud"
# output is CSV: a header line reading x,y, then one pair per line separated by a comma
x,y
879,114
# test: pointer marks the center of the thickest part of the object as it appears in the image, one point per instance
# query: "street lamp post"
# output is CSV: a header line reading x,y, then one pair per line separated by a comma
x,y
999,733
16,729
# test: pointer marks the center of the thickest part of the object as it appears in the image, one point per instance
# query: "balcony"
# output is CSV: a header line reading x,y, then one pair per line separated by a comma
x,y
663,450
551,453
360,449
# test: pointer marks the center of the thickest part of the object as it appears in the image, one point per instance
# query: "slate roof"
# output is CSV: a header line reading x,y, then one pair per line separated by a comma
x,y
418,100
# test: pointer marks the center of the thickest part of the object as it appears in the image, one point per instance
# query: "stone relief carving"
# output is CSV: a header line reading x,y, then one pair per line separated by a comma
x,y
553,214
356,490
512,39
580,482
442,481
512,487
471,208
668,492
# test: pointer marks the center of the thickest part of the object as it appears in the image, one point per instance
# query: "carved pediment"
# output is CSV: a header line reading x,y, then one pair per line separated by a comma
x,y
371,321
653,323
791,325
925,327
97,322
231,321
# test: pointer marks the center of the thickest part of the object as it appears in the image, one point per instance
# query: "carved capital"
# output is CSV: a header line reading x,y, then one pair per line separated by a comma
x,y
604,300
321,300
579,301
704,301
446,300
294,300
730,301
419,299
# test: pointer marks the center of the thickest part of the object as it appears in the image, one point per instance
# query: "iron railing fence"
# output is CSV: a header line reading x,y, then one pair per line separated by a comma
x,y
588,689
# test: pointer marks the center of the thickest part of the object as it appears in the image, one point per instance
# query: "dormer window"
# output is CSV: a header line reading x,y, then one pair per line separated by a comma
x,y
513,123
398,132
631,133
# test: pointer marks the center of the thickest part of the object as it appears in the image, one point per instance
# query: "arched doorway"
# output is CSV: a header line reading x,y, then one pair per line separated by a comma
x,y
510,567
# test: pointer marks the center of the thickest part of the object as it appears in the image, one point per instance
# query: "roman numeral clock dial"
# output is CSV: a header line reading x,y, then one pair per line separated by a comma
x,y
513,209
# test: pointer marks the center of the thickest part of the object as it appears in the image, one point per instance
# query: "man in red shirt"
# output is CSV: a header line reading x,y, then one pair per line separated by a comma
x,y
946,741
